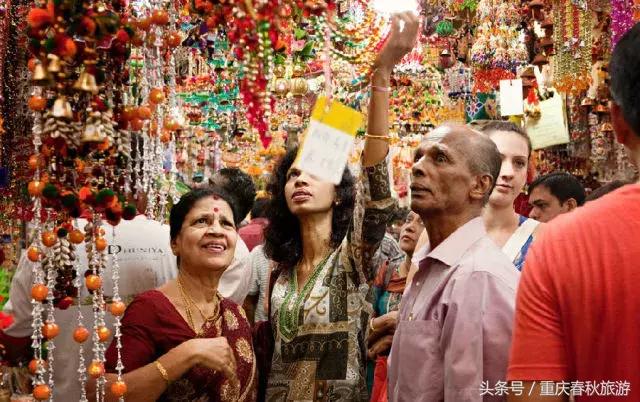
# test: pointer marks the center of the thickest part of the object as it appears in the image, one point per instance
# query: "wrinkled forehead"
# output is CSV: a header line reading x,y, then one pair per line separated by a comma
x,y
438,134
212,203
450,138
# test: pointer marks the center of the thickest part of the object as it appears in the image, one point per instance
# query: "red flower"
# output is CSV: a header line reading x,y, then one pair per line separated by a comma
x,y
5,320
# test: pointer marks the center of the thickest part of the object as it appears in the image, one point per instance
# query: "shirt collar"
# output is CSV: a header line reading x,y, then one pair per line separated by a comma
x,y
451,250
259,221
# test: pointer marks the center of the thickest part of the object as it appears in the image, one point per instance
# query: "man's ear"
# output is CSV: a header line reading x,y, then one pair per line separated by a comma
x,y
481,188
571,204
622,129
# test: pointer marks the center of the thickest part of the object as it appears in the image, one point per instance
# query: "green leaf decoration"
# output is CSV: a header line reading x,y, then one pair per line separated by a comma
x,y
300,34
444,28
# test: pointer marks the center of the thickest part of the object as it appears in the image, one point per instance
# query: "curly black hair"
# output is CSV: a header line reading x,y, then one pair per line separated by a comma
x,y
238,183
283,241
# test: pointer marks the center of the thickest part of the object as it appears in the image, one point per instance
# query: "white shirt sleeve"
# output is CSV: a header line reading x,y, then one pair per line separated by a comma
x,y
19,303
236,280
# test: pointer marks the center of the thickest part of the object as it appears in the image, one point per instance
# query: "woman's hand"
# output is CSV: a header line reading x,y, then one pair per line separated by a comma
x,y
400,43
383,325
214,353
404,31
380,346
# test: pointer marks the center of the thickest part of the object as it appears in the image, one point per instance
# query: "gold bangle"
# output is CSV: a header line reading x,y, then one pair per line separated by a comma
x,y
371,325
378,137
163,371
375,88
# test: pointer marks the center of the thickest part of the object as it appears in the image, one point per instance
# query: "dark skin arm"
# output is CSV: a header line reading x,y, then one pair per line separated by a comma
x,y
249,306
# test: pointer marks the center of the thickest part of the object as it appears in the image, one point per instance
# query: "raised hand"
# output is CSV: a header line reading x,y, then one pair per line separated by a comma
x,y
404,31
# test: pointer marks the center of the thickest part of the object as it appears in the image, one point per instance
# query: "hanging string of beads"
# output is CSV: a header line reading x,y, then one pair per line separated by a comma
x,y
81,333
573,43
117,307
39,290
95,245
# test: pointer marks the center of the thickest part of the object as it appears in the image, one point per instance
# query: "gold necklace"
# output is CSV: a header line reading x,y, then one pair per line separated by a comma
x,y
186,307
189,302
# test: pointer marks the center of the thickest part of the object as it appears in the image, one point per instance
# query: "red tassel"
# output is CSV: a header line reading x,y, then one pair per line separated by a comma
x,y
39,18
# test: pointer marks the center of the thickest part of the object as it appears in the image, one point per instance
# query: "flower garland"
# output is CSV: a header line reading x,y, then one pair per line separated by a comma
x,y
573,42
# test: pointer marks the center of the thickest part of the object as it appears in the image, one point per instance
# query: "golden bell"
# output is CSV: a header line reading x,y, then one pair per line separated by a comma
x,y
528,73
62,108
281,87
298,71
41,76
86,83
536,4
540,60
546,43
602,109
299,86
606,127
92,133
586,102
279,71
54,64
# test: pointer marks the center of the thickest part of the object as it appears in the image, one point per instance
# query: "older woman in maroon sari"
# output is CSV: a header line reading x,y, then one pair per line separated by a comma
x,y
183,341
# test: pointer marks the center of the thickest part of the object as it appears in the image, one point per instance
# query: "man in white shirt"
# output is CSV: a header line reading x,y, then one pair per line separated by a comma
x,y
236,280
145,259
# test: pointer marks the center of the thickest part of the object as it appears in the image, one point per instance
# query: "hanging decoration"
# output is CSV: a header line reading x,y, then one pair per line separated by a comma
x,y
622,18
498,50
151,97
573,43
79,164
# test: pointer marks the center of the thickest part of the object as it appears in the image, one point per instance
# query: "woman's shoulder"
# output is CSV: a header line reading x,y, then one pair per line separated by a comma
x,y
149,296
233,312
149,302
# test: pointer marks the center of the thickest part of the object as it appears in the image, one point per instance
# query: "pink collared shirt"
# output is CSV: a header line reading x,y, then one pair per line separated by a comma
x,y
455,322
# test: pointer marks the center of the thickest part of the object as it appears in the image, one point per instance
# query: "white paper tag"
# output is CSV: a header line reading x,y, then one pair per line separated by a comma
x,y
325,152
511,102
551,128
327,145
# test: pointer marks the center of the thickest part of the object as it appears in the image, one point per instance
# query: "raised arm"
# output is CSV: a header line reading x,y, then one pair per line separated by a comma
x,y
404,31
374,202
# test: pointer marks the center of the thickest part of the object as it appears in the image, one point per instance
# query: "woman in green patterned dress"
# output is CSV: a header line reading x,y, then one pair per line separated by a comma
x,y
324,239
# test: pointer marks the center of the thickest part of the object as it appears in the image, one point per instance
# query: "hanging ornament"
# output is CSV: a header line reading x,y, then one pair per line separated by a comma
x,y
572,42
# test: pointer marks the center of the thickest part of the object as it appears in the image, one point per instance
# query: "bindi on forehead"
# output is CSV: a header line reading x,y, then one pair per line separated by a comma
x,y
216,209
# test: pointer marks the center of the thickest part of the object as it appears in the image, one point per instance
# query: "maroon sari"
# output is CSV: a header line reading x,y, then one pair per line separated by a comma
x,y
152,326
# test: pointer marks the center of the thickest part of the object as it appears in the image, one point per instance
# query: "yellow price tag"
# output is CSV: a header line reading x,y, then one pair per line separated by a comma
x,y
329,140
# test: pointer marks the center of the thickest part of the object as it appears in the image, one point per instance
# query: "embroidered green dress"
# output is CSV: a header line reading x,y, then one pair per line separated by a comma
x,y
320,332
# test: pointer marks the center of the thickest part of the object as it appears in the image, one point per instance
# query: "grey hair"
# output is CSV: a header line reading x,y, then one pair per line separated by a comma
x,y
484,159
